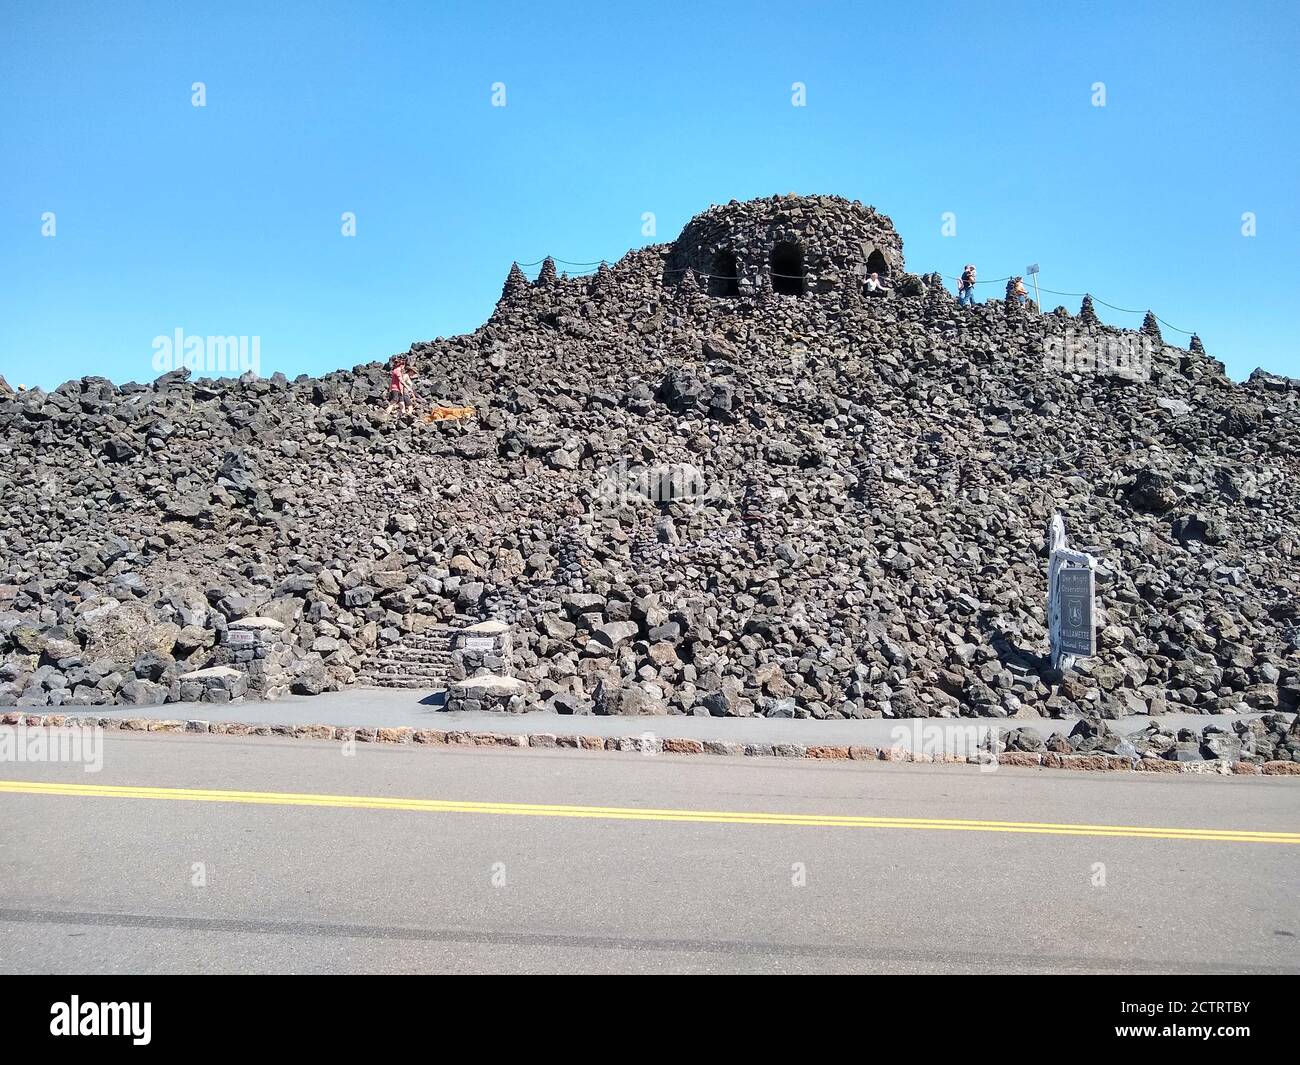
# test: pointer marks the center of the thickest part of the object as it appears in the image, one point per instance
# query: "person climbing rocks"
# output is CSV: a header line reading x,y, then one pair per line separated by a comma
x,y
397,387
875,286
409,374
966,286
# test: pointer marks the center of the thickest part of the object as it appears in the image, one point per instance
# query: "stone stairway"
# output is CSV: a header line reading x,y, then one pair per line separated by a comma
x,y
417,660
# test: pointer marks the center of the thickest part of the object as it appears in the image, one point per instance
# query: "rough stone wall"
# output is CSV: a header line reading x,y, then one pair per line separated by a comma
x,y
837,237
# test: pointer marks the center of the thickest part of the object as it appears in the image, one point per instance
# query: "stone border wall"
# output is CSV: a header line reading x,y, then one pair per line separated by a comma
x,y
647,744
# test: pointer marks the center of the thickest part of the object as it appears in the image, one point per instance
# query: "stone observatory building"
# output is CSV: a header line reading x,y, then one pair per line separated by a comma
x,y
794,245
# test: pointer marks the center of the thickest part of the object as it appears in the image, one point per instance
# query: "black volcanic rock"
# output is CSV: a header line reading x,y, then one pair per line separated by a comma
x,y
710,498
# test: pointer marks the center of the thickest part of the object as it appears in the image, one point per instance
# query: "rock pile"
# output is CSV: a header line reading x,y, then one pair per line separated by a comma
x,y
684,498
1267,738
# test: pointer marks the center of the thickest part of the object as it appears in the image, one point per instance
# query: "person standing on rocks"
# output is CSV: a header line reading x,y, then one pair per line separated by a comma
x,y
966,286
876,287
1020,293
396,387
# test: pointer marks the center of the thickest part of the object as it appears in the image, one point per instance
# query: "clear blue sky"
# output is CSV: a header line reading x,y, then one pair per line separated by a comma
x,y
226,219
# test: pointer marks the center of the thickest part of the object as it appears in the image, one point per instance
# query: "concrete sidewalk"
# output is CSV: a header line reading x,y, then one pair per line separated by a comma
x,y
396,708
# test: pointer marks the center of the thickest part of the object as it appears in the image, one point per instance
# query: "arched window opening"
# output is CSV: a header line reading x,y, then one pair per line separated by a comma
x,y
725,277
877,264
787,269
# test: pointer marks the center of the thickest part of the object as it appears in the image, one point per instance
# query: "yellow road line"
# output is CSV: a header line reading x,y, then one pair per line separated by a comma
x,y
619,813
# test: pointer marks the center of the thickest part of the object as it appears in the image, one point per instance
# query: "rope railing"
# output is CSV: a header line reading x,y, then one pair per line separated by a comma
x,y
667,270
728,277
1080,295
564,262
802,277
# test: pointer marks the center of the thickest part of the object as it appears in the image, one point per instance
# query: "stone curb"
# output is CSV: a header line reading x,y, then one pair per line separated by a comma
x,y
650,744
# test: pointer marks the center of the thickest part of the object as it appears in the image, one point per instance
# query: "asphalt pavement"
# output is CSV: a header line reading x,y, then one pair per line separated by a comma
x,y
225,854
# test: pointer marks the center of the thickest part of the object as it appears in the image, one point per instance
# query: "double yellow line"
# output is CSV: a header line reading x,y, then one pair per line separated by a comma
x,y
618,813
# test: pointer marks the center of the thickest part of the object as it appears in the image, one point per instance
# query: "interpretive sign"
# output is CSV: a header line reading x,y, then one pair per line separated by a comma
x,y
1074,595
1070,591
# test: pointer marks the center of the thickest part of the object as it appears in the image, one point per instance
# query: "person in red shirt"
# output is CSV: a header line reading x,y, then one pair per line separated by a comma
x,y
397,387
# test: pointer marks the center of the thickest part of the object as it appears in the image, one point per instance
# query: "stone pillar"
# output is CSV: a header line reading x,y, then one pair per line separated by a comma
x,y
485,648
256,646
481,660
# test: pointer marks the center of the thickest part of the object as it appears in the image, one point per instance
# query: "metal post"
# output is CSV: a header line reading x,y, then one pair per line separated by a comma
x,y
1032,271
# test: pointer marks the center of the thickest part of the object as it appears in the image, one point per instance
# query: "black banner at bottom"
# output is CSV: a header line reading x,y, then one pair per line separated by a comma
x,y
209,1013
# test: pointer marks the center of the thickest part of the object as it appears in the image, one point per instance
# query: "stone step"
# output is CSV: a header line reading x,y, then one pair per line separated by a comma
x,y
397,654
430,683
417,660
399,672
402,670
415,669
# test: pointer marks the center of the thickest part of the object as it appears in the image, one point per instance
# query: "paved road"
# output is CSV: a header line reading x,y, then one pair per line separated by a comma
x,y
106,883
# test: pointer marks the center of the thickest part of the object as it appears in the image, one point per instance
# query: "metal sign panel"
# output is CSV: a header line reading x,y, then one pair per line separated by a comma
x,y
1032,268
1075,587
479,643
240,636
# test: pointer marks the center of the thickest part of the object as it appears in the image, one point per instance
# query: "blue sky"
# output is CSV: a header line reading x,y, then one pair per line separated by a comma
x,y
226,219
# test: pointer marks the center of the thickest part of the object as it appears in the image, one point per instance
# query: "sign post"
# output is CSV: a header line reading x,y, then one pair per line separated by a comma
x,y
1071,589
1032,271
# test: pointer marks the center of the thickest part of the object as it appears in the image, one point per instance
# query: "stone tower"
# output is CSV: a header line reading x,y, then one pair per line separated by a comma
x,y
796,245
